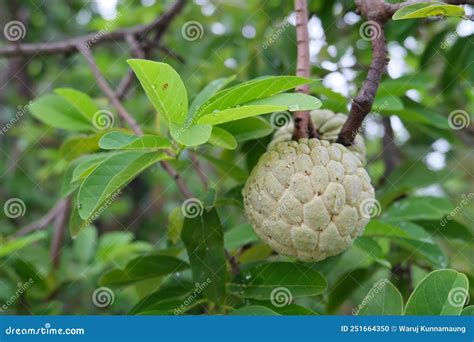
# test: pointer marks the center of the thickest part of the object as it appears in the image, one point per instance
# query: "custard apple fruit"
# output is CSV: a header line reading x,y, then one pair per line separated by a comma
x,y
328,124
309,199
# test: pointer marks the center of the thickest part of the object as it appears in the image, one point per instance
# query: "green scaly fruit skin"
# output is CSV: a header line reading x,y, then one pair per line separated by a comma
x,y
309,199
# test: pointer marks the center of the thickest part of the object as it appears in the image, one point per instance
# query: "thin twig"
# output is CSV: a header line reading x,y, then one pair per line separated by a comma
x,y
303,124
108,91
43,221
234,265
200,172
60,225
70,45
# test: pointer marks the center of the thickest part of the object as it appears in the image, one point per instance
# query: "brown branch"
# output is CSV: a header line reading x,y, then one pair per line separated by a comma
x,y
234,264
45,220
69,45
108,91
377,14
303,124
60,225
200,172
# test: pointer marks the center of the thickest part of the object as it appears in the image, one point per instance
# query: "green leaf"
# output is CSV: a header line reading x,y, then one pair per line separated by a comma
x,y
9,246
204,241
370,247
254,310
192,135
248,91
345,286
409,236
427,9
76,223
57,112
207,92
110,176
227,168
248,128
419,208
88,164
450,229
387,104
67,186
175,224
161,299
221,138
269,280
383,299
81,101
468,311
85,244
293,102
238,113
124,141
164,89
442,292
239,236
144,267
78,145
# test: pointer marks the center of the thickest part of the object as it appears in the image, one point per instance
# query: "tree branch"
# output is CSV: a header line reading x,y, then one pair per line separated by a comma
x,y
70,45
45,220
303,124
60,225
108,91
378,12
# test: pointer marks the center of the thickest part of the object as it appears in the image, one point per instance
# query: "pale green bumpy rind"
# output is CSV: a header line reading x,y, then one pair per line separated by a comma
x,y
328,124
306,199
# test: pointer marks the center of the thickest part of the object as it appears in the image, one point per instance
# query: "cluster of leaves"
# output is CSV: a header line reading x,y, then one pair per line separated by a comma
x,y
119,156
